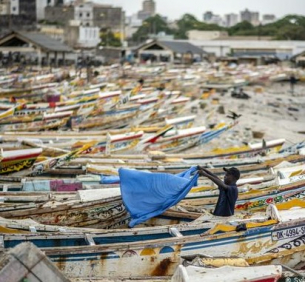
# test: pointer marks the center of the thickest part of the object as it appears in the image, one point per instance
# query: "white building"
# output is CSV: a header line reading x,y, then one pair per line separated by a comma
x,y
251,17
41,5
78,36
267,19
231,19
132,25
4,7
14,7
247,48
84,14
205,35
216,19
89,37
149,6
210,18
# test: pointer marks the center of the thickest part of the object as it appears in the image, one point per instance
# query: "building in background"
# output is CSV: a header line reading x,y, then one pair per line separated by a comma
x,y
59,14
251,17
169,51
18,14
41,5
81,37
250,47
210,18
24,8
109,17
132,24
74,34
4,7
206,34
268,18
53,31
148,10
149,6
83,13
207,16
88,14
231,19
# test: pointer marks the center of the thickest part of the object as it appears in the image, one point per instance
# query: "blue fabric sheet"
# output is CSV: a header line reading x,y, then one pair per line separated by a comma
x,y
114,179
147,194
109,179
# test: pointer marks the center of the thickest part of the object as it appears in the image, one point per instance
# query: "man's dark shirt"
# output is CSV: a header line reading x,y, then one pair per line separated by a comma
x,y
226,201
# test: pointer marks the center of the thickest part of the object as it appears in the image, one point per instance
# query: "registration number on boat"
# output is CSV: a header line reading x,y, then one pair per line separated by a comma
x,y
288,233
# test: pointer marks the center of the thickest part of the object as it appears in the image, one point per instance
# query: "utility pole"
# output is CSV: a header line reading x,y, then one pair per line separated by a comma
x,y
259,30
10,14
122,28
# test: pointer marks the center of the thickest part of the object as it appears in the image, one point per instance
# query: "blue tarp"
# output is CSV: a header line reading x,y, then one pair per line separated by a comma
x,y
109,179
114,179
147,194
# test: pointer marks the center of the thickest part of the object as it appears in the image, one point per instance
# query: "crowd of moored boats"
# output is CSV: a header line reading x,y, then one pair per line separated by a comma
x,y
64,139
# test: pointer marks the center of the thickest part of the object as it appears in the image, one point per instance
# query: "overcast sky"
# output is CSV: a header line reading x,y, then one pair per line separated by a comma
x,y
173,9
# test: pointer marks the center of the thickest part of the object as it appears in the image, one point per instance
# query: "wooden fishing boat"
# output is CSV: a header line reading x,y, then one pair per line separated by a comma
x,y
17,160
254,199
52,163
188,138
23,92
170,218
290,171
168,143
113,143
270,147
11,111
45,121
100,213
175,165
276,237
43,111
266,273
118,120
179,123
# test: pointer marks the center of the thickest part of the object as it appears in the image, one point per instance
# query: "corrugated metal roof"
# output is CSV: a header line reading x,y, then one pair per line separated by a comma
x,y
181,47
45,42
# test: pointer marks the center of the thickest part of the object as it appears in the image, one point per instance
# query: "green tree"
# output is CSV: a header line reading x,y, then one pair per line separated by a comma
x,y
189,22
152,25
242,28
291,33
109,39
291,27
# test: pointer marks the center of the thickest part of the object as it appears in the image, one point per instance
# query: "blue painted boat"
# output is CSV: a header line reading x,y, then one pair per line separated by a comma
x,y
276,237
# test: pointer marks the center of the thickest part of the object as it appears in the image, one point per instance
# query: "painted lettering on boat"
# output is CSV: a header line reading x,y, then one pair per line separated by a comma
x,y
296,243
288,233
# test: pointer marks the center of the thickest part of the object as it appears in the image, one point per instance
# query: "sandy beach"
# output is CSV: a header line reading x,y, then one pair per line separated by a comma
x,y
274,113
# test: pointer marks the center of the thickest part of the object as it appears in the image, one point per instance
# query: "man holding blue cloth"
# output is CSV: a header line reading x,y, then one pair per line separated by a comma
x,y
228,192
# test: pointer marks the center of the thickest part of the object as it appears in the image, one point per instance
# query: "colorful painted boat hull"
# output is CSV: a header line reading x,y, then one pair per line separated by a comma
x,y
14,161
158,254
